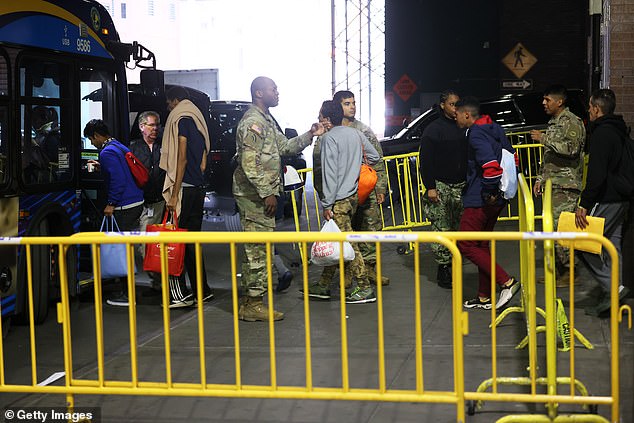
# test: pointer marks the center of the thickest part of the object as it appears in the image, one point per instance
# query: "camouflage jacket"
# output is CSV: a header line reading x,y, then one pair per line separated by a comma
x,y
259,145
381,183
563,142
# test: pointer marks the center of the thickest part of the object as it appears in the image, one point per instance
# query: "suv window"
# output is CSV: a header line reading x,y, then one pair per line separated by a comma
x,y
503,112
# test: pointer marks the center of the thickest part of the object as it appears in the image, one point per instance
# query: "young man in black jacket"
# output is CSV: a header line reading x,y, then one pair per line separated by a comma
x,y
600,197
443,166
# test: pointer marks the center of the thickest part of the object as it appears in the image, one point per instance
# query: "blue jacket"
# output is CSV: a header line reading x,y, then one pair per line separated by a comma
x,y
485,141
122,190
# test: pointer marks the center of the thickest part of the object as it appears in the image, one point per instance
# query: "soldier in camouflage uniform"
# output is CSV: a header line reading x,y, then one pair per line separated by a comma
x,y
562,163
256,183
368,215
443,169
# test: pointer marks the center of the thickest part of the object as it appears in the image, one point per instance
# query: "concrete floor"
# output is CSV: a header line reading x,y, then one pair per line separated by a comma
x,y
592,365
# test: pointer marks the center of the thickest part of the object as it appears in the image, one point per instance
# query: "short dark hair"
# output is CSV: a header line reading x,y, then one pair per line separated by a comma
x,y
333,111
604,99
446,94
341,95
96,126
177,93
470,104
558,90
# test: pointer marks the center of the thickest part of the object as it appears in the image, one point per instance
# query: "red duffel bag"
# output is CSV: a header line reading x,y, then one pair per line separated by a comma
x,y
175,252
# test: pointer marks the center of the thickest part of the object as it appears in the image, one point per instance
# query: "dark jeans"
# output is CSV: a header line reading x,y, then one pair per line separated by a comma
x,y
191,218
128,219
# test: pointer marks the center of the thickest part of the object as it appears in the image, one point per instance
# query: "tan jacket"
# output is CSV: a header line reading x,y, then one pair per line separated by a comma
x,y
169,149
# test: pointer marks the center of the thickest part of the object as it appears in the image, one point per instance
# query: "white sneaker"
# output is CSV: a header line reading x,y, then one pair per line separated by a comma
x,y
507,293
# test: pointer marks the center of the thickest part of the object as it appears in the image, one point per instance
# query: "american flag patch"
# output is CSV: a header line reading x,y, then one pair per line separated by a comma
x,y
256,128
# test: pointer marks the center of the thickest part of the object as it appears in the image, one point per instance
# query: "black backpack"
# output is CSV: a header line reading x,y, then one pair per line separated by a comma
x,y
623,178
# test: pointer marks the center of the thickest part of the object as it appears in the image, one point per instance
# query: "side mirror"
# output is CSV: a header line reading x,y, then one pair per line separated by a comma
x,y
290,133
153,83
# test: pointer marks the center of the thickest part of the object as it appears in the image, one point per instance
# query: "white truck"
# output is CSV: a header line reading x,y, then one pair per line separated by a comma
x,y
205,80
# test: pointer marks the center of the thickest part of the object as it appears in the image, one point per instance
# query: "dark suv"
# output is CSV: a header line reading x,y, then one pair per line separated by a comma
x,y
514,112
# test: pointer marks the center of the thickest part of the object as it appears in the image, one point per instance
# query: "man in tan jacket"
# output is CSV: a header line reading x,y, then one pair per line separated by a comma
x,y
184,159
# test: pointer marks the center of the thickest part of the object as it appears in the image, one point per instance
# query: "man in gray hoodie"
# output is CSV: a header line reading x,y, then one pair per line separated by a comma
x,y
342,151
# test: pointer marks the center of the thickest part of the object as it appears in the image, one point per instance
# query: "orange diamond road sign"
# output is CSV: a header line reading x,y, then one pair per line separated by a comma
x,y
519,60
405,87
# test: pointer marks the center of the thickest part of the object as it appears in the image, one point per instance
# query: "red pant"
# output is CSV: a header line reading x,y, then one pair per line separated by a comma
x,y
481,219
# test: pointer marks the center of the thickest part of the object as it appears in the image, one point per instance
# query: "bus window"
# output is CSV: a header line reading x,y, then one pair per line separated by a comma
x,y
46,152
97,94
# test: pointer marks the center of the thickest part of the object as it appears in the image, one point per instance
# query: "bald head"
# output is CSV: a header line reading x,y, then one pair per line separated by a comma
x,y
264,92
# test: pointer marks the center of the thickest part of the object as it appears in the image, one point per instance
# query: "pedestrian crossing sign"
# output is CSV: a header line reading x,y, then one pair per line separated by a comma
x,y
519,60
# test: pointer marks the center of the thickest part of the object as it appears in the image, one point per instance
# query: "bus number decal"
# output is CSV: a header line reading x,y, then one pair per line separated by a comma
x,y
83,45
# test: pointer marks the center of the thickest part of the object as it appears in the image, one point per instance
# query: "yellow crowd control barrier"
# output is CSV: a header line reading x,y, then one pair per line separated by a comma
x,y
207,378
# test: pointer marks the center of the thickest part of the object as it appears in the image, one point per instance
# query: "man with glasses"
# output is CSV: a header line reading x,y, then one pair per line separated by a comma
x,y
148,150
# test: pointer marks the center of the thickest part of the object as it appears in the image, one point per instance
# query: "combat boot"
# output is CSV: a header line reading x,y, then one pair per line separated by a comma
x,y
444,276
252,309
370,270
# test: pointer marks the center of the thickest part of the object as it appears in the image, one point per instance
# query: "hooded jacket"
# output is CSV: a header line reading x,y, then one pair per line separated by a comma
x,y
484,152
605,149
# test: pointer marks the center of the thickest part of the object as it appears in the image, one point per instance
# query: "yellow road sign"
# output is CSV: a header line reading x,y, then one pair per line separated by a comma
x,y
519,60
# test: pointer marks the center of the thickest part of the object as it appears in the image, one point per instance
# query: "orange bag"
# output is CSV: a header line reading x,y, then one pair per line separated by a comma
x,y
175,252
367,182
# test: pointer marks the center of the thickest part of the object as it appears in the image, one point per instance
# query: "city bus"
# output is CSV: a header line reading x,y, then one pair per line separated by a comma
x,y
53,54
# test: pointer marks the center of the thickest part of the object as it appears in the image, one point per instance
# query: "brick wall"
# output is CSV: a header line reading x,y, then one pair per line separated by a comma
x,y
622,57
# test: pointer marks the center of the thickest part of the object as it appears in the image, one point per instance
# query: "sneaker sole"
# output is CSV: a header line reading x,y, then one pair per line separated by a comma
x,y
117,304
319,296
482,306
361,301
251,319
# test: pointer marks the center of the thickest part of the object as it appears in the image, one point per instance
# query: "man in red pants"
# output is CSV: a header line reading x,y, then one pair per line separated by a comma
x,y
482,199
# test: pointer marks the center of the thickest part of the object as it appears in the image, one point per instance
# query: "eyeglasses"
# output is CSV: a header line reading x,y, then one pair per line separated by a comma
x,y
153,125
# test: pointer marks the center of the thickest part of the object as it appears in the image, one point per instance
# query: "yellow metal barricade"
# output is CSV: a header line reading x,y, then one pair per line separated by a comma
x,y
180,378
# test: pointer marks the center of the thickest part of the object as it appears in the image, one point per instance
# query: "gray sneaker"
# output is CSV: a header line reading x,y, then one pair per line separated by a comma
x,y
361,295
317,291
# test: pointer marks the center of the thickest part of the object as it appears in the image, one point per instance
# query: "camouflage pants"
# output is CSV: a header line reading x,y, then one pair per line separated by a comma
x,y
562,200
368,218
253,219
444,215
343,212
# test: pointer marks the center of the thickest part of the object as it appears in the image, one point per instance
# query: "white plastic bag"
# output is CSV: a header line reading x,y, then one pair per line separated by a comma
x,y
508,181
327,253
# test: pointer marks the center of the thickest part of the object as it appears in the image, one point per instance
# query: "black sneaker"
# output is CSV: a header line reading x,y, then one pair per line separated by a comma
x,y
443,276
284,281
119,300
186,301
207,296
478,303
